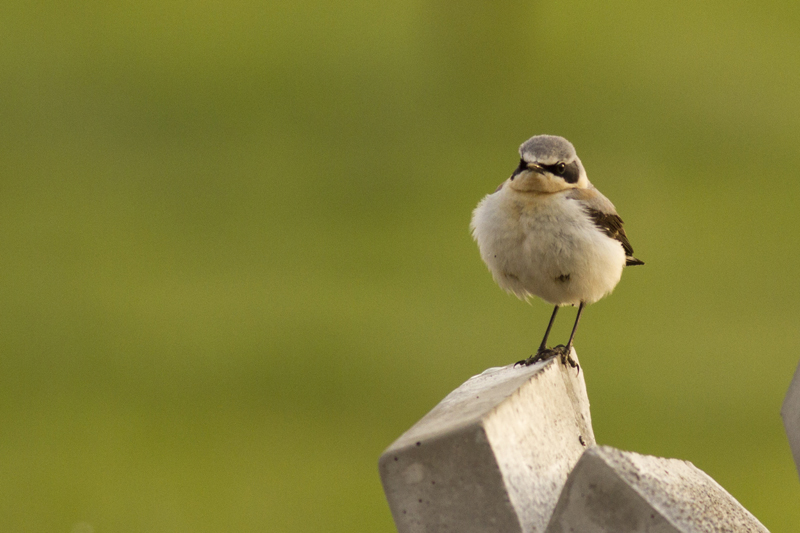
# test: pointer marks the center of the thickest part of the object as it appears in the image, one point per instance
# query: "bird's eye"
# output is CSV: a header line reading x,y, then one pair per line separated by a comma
x,y
560,168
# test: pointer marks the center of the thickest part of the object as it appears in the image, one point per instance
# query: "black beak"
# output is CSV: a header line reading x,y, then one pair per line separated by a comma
x,y
523,166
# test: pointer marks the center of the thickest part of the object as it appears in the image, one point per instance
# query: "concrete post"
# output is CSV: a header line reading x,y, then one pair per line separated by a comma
x,y
610,491
493,455
790,412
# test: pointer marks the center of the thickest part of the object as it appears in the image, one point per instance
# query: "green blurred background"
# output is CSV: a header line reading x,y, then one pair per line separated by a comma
x,y
235,262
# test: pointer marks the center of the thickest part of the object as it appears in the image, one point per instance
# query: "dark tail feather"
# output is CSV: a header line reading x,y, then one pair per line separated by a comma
x,y
632,261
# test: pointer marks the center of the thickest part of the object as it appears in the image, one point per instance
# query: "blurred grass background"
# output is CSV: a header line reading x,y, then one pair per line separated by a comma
x,y
235,262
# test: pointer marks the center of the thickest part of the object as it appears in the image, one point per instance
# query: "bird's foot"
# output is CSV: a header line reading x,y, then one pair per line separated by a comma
x,y
543,354
566,356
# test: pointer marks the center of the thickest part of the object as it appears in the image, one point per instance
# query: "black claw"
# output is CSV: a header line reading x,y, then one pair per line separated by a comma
x,y
566,359
548,353
541,355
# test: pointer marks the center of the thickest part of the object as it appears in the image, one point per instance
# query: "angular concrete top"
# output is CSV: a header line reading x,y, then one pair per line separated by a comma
x,y
790,412
610,491
493,455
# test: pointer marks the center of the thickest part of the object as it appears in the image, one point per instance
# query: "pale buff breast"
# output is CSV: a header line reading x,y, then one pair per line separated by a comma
x,y
546,246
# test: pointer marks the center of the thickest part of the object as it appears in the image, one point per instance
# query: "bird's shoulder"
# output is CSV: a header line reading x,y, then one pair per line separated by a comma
x,y
592,199
603,214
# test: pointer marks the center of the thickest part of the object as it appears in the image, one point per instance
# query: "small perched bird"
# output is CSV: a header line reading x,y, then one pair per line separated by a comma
x,y
547,232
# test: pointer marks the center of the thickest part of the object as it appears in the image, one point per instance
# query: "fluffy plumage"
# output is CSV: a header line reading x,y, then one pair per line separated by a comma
x,y
548,232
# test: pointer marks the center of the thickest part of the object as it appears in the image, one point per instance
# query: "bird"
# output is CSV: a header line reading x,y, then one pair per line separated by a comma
x,y
547,232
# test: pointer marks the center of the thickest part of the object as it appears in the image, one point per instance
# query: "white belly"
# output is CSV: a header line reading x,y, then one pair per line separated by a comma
x,y
545,245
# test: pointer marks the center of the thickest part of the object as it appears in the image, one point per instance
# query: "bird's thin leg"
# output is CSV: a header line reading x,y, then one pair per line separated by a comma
x,y
542,353
543,346
565,357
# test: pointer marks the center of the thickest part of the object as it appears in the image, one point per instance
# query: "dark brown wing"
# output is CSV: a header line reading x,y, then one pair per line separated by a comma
x,y
605,217
611,224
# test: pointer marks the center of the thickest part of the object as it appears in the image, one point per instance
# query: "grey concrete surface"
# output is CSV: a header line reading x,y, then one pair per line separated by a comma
x,y
491,456
790,412
612,491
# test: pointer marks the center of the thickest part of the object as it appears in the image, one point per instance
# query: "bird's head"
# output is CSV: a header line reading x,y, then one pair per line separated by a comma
x,y
548,164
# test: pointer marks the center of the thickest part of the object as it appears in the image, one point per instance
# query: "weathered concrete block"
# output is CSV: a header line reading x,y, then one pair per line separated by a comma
x,y
493,455
610,491
790,412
